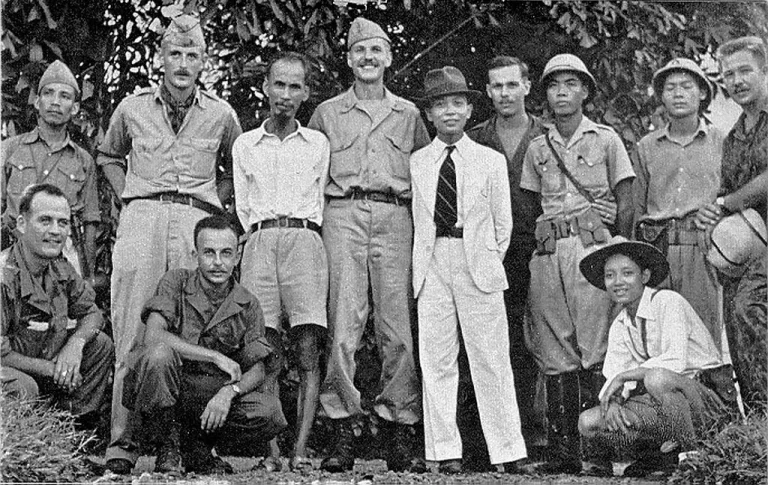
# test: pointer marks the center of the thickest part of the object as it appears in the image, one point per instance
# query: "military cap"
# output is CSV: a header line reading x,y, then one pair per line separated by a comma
x,y
681,64
185,31
363,29
58,72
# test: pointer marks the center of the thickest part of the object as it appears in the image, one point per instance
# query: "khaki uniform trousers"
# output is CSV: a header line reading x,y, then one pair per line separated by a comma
x,y
568,328
450,303
369,248
152,238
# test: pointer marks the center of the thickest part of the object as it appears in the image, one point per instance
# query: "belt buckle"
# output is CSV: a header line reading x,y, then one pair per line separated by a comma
x,y
282,222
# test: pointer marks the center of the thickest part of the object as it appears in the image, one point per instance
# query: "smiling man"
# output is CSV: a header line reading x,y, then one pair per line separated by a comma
x,y
666,383
280,173
41,292
167,155
199,376
47,154
584,177
368,233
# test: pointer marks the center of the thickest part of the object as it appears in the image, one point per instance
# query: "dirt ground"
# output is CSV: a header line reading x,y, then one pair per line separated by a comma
x,y
365,473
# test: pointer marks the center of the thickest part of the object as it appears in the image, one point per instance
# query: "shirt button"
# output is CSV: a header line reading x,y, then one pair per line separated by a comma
x,y
45,172
681,169
544,169
72,176
679,189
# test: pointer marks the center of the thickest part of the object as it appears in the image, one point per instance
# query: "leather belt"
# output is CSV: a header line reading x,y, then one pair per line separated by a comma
x,y
453,232
286,222
359,194
184,199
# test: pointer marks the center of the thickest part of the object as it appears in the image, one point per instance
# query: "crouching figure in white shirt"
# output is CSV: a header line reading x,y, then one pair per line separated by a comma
x,y
666,382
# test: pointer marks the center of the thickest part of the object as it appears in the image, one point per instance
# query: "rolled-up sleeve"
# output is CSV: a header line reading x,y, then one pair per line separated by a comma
x,y
166,300
117,142
255,346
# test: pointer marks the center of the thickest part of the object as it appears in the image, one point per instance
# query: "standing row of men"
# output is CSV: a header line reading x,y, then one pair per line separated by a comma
x,y
174,154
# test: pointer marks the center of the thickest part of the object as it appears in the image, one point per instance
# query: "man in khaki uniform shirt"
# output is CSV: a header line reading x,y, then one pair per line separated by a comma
x,y
367,233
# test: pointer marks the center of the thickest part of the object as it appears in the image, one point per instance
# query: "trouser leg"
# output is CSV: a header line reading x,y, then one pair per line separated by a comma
x,y
95,368
391,287
19,384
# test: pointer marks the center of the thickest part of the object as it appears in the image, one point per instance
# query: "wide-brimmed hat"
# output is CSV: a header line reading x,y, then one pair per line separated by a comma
x,y
446,81
644,254
736,240
569,63
681,64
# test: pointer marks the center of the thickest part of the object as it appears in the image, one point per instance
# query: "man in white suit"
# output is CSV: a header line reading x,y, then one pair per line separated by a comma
x,y
462,225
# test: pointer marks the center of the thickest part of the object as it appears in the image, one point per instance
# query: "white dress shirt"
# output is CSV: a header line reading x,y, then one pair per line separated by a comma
x,y
280,178
666,333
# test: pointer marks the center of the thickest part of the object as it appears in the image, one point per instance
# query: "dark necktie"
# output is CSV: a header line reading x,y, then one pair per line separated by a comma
x,y
445,202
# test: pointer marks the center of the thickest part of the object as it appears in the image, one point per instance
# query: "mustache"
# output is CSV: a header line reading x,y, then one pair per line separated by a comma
x,y
182,72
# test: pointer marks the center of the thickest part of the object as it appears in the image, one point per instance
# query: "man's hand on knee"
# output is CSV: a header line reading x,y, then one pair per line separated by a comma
x,y
619,418
215,414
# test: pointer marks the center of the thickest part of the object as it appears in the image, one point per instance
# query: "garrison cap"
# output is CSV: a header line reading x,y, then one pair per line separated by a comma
x,y
363,29
58,72
682,64
185,31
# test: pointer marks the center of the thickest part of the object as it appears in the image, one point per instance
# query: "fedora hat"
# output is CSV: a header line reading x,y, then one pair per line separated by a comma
x,y
644,254
736,240
446,81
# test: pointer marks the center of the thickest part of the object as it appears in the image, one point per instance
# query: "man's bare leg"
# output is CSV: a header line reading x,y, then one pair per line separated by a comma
x,y
307,339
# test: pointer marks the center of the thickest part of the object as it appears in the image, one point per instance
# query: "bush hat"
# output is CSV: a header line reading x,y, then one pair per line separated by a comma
x,y
736,240
646,255
58,72
569,62
681,64
185,31
363,29
446,81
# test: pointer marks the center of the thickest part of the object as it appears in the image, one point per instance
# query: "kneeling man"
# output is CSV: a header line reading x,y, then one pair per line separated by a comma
x,y
52,342
198,377
666,382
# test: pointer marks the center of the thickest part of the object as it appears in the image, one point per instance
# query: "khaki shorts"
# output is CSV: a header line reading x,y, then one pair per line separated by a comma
x,y
287,268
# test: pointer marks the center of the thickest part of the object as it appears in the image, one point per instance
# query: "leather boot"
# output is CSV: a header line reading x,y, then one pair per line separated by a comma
x,y
168,456
343,457
563,416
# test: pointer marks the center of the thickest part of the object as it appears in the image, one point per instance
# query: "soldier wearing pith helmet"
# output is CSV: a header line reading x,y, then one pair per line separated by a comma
x,y
167,155
678,170
584,176
47,154
367,232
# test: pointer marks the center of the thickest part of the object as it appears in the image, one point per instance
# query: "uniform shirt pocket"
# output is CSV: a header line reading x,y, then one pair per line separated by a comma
x,y
69,176
199,161
23,174
146,158
345,159
400,146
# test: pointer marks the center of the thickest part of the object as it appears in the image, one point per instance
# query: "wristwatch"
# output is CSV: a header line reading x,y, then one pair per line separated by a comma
x,y
236,388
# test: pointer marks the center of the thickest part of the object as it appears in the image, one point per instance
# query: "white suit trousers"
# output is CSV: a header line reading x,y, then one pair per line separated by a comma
x,y
448,301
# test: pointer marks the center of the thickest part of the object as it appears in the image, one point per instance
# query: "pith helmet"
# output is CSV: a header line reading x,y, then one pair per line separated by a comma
x,y
185,31
569,62
684,65
363,29
58,72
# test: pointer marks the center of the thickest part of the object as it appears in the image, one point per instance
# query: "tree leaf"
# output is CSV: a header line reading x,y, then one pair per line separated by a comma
x,y
48,17
35,52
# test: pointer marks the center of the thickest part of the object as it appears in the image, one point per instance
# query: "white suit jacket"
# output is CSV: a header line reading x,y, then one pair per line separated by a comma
x,y
485,211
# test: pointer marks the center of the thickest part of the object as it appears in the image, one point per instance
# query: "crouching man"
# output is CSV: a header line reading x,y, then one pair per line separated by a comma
x,y
52,342
666,382
198,377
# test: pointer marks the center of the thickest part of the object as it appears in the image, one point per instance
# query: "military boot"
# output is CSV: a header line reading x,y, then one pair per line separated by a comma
x,y
168,455
343,457
563,417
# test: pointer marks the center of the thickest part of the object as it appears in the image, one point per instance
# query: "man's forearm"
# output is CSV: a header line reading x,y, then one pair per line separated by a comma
x,y
89,240
751,194
253,378
625,210
88,327
156,333
28,365
114,174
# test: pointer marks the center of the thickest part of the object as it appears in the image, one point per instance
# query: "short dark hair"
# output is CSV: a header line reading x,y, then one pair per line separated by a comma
x,y
220,223
752,44
291,56
25,204
508,61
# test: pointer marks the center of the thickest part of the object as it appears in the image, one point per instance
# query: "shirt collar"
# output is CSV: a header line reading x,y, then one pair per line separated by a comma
x,y
350,100
645,309
586,125
34,136
238,294
439,146
261,132
26,279
199,98
703,129
740,132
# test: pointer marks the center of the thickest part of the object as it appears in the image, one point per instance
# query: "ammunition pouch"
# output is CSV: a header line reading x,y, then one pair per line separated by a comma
x,y
588,226
654,233
591,228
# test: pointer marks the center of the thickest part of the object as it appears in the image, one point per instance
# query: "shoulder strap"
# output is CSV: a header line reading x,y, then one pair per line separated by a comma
x,y
561,165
